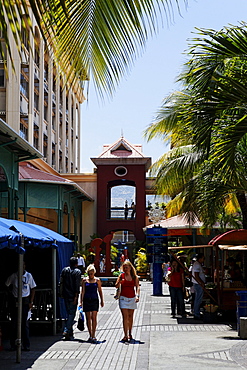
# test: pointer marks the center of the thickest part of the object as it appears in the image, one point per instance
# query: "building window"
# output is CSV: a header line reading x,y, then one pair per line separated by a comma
x,y
36,136
45,112
2,79
24,86
120,171
25,37
45,143
24,130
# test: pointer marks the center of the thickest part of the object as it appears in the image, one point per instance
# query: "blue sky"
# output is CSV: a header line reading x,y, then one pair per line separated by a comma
x,y
140,94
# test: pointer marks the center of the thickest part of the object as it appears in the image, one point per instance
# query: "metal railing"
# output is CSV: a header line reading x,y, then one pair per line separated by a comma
x,y
119,213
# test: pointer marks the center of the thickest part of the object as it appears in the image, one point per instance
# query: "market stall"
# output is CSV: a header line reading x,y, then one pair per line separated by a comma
x,y
46,253
210,265
230,275
226,266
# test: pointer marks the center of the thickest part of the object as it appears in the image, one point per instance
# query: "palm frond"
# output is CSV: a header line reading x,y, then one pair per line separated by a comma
x,y
92,40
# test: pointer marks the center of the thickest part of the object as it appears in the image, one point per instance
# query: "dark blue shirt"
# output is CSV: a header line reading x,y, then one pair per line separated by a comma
x,y
91,290
71,278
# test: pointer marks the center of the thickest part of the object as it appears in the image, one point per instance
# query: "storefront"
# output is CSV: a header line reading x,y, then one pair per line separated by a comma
x,y
230,275
225,267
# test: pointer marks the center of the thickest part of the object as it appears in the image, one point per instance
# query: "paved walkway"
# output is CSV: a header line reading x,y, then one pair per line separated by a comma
x,y
160,342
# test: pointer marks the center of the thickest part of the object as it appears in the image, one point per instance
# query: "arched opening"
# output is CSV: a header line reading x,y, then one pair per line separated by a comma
x,y
125,243
121,200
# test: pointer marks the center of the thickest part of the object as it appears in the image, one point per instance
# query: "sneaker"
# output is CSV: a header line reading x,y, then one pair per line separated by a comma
x,y
66,336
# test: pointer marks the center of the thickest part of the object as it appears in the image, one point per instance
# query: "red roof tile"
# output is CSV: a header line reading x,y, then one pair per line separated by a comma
x,y
28,171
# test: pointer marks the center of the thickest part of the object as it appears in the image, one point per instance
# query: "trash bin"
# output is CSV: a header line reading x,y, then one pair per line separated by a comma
x,y
241,307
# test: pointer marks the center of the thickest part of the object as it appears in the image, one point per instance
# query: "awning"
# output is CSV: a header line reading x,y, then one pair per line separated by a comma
x,y
32,235
178,222
10,139
233,247
232,237
35,236
189,247
29,173
8,238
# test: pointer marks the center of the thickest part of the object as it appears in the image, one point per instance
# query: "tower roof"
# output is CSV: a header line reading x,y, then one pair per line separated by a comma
x,y
122,150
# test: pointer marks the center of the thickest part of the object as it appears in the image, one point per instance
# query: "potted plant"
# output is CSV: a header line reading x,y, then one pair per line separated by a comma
x,y
141,263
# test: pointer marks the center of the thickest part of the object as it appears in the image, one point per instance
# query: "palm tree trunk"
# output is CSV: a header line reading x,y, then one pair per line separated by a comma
x,y
243,206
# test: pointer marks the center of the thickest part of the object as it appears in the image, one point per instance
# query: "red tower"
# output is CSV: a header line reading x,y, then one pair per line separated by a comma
x,y
121,164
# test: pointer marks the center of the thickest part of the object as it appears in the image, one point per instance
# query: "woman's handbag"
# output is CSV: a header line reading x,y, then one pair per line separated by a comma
x,y
187,282
118,290
167,278
80,323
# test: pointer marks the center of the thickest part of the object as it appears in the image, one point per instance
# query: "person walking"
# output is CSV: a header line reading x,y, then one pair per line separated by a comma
x,y
198,279
91,290
28,292
133,207
175,278
126,210
81,263
70,280
128,283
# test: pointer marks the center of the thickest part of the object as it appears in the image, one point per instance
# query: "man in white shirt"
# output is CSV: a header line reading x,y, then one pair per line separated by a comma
x,y
28,291
81,263
198,279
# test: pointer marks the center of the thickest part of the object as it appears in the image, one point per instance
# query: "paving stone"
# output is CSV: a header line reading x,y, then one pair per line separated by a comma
x,y
159,340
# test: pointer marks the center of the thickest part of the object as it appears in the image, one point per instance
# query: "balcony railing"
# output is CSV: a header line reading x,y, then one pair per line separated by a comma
x,y
118,213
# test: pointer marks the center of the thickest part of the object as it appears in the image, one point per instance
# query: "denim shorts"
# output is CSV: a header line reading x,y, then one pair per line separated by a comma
x,y
129,303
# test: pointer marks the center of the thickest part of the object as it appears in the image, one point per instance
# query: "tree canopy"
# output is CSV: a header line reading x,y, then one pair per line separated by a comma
x,y
207,128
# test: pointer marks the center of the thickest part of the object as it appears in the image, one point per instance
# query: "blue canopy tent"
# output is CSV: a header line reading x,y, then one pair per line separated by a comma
x,y
22,237
9,238
41,237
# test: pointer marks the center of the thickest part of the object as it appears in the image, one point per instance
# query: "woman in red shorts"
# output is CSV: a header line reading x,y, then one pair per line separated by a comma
x,y
128,283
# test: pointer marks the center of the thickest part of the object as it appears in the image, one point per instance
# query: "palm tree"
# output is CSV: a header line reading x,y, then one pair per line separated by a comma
x,y
217,71
96,40
210,116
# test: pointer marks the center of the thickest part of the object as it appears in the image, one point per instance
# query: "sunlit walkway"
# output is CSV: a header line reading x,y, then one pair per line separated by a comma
x,y
159,342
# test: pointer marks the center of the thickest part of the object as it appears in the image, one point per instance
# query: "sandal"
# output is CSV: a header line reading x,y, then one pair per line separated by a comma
x,y
125,339
130,337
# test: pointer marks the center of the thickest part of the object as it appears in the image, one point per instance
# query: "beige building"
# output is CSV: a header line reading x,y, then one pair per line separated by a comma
x,y
37,105
42,112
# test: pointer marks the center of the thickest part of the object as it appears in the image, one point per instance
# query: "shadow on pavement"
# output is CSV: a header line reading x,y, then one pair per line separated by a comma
x,y
38,346
134,341
230,338
189,320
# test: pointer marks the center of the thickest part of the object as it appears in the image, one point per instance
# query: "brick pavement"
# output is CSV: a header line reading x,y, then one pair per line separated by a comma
x,y
160,342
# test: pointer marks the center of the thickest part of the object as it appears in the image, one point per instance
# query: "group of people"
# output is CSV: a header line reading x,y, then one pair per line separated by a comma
x,y
126,210
91,296
88,293
73,289
175,278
